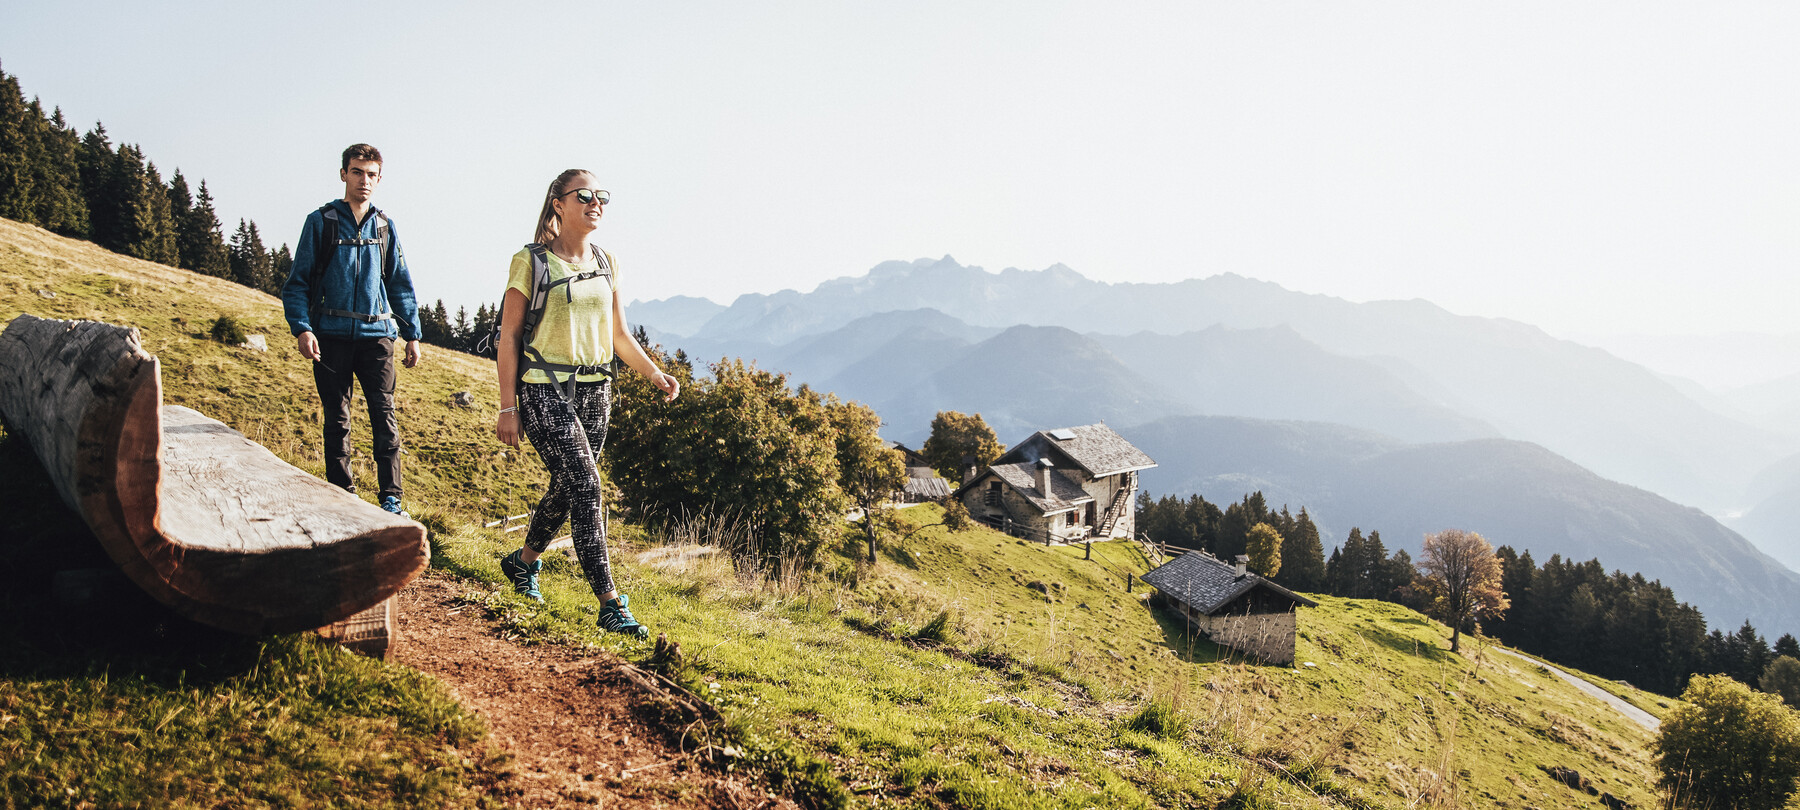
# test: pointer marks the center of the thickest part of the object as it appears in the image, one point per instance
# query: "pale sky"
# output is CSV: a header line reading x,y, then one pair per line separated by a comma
x,y
1590,168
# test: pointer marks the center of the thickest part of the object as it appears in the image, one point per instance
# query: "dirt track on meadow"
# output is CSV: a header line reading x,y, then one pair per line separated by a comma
x,y
584,727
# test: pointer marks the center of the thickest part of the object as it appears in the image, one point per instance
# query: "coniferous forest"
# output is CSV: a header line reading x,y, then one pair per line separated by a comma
x,y
1618,625
83,186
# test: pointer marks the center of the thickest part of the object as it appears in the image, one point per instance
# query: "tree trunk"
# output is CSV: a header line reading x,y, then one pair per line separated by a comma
x,y
204,520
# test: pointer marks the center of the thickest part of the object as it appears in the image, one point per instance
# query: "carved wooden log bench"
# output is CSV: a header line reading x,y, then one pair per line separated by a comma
x,y
206,521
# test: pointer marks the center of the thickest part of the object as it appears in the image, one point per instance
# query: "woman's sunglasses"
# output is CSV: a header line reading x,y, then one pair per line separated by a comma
x,y
586,196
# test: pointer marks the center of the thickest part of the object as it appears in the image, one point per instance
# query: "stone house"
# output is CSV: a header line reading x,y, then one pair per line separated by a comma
x,y
1060,486
1231,606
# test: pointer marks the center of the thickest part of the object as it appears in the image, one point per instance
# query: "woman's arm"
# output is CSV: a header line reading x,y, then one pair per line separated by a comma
x,y
506,359
627,349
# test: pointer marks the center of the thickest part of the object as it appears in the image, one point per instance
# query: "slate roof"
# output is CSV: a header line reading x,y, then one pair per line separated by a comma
x,y
1207,583
1095,447
1065,492
929,488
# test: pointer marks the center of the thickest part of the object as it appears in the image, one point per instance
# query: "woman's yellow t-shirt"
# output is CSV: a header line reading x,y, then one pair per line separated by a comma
x,y
577,328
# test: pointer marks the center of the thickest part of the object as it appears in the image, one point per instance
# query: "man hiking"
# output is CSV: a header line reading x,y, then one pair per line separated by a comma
x,y
346,298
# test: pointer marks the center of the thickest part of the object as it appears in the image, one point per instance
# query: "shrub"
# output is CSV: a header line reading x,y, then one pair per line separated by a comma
x,y
228,331
1730,747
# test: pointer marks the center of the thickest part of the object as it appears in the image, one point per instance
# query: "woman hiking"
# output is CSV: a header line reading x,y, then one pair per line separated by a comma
x,y
561,325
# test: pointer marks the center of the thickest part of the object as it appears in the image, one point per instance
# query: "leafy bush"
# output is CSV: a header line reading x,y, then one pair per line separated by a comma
x,y
1728,746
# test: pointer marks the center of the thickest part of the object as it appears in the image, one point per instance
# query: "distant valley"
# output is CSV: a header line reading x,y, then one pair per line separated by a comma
x,y
1477,423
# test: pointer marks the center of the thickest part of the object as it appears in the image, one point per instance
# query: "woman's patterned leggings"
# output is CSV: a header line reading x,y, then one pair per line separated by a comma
x,y
568,433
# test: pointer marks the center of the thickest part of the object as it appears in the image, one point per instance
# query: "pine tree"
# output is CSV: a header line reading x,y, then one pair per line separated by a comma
x,y
107,178
1302,554
153,220
460,331
61,206
249,259
20,152
281,263
434,325
181,206
1786,645
199,239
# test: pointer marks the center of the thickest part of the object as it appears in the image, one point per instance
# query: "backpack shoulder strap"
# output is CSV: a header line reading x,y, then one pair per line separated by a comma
x,y
540,291
324,250
605,263
383,234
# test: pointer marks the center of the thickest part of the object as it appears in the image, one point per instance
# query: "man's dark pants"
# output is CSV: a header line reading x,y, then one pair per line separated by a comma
x,y
370,362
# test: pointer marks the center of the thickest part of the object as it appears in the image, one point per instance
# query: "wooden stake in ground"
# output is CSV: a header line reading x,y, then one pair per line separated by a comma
x,y
203,519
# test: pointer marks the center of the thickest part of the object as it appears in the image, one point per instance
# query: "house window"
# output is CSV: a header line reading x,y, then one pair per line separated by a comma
x,y
992,497
1071,519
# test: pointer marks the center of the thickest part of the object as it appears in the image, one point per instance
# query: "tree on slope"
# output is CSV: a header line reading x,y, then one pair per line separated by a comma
x,y
1462,576
1782,679
197,234
1262,544
868,471
1728,747
954,435
1302,555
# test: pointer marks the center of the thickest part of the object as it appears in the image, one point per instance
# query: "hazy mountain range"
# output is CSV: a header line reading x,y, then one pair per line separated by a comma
x,y
1415,384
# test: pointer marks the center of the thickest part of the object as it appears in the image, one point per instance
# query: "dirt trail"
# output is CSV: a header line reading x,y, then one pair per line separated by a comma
x,y
582,730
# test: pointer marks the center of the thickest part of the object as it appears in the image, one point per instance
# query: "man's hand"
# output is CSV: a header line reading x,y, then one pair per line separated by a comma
x,y
412,354
309,346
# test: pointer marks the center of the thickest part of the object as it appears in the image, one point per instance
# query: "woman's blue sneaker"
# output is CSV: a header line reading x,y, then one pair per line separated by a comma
x,y
522,576
615,617
392,504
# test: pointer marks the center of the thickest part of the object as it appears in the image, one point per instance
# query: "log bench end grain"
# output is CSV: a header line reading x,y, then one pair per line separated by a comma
x,y
203,519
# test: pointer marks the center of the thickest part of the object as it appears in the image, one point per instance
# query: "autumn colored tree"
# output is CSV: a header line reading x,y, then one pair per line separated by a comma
x,y
1462,577
954,435
1262,544
1725,746
868,470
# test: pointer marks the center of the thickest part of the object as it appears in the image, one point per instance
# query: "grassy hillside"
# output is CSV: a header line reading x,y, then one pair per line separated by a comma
x,y
965,670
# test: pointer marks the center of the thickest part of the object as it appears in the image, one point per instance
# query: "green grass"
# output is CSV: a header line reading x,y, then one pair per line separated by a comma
x,y
968,670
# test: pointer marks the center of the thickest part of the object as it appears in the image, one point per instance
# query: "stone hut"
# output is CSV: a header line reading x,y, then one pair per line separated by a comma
x,y
1231,606
1060,486
922,482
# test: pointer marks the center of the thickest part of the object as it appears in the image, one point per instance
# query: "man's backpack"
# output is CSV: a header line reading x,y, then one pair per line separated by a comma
x,y
325,246
541,288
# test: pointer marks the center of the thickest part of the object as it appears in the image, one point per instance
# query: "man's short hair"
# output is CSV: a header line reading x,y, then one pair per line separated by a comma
x,y
360,151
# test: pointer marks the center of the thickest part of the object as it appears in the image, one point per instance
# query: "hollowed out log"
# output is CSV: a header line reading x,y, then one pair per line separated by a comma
x,y
204,520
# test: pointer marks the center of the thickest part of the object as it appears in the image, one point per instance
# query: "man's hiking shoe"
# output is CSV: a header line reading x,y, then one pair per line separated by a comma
x,y
392,504
523,577
615,617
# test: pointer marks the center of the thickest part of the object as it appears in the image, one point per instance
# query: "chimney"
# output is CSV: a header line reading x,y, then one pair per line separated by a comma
x,y
1043,477
1243,564
968,468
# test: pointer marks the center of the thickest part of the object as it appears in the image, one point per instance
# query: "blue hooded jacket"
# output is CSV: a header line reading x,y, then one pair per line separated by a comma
x,y
352,283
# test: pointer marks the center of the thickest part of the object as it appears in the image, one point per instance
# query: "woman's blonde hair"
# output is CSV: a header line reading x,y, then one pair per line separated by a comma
x,y
548,226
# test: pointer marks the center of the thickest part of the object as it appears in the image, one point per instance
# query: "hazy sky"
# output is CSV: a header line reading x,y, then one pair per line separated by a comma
x,y
1591,168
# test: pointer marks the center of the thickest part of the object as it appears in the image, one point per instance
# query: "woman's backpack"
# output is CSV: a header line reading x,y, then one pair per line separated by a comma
x,y
541,288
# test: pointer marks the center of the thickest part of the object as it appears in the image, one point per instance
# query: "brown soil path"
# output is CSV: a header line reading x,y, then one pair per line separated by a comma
x,y
582,729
